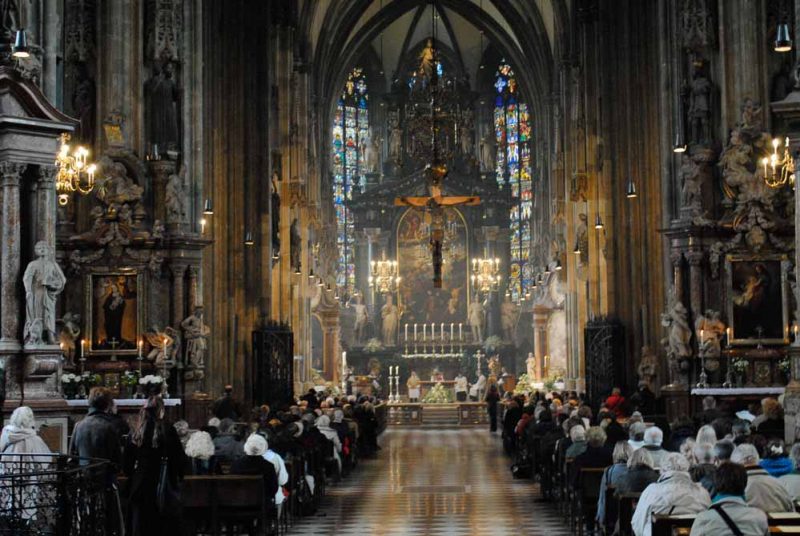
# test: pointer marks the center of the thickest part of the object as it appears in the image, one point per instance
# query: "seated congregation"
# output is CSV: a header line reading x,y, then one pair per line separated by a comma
x,y
246,475
611,471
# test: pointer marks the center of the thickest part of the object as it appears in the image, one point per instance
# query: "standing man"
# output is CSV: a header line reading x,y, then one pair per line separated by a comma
x,y
226,407
461,387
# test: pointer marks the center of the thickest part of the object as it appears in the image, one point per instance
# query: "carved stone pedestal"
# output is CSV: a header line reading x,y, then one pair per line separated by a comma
x,y
676,400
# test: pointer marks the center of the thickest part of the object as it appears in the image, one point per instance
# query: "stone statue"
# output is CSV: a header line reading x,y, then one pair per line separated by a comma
x,y
162,99
465,134
488,152
396,143
196,333
709,329
115,187
390,316
530,366
691,187
508,318
9,18
648,367
294,245
752,115
43,281
362,317
70,330
83,103
676,343
700,106
476,318
372,154
175,196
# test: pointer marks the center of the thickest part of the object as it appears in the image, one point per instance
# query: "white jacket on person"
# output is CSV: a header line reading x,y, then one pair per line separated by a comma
x,y
764,491
673,493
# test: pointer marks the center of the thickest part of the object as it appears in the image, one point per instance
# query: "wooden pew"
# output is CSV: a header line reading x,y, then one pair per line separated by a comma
x,y
667,525
626,504
586,495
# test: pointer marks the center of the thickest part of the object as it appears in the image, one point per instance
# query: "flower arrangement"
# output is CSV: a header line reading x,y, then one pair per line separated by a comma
x,y
89,379
130,378
439,394
785,365
739,365
523,385
71,379
373,345
151,379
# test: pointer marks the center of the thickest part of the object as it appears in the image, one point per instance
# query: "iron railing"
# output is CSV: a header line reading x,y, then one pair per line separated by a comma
x,y
53,494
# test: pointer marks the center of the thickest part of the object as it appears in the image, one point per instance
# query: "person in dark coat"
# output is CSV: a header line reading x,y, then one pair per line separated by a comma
x,y
597,454
641,473
99,435
682,429
510,419
492,398
253,463
227,447
152,440
226,407
614,430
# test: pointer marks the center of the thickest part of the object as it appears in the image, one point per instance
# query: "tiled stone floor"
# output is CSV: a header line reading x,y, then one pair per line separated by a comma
x,y
434,482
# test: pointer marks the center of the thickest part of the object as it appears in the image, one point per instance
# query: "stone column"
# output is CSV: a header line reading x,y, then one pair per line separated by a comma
x,y
161,170
540,317
178,294
12,309
195,297
493,326
676,258
46,205
695,259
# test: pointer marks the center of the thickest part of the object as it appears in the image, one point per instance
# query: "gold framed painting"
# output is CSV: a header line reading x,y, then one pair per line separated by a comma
x,y
115,309
758,299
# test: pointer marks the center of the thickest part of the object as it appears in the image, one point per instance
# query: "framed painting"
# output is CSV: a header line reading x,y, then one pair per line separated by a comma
x,y
115,306
758,299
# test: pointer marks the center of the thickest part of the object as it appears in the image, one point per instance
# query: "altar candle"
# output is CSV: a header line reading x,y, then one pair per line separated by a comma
x,y
451,331
796,328
433,331
424,332
139,344
83,348
441,331
460,333
729,333
406,331
702,333
415,332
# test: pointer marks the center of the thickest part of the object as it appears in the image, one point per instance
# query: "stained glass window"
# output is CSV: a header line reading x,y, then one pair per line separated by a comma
x,y
350,139
513,170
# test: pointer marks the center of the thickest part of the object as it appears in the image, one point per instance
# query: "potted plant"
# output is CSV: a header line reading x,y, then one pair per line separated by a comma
x,y
129,381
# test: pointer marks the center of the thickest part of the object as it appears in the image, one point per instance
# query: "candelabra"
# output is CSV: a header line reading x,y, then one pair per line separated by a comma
x,y
485,274
383,276
75,174
702,382
778,169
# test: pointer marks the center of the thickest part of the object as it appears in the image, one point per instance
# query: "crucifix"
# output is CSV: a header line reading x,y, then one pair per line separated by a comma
x,y
114,343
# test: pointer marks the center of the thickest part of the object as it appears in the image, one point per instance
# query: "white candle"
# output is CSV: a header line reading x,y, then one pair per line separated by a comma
x,y
83,348
424,332
139,344
460,333
406,331
415,332
441,331
451,331
344,360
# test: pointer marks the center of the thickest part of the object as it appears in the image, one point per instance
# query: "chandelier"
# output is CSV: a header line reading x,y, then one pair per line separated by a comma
x,y
383,276
485,274
75,174
778,169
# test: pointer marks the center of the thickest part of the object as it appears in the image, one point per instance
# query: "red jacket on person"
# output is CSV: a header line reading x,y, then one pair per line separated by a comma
x,y
615,403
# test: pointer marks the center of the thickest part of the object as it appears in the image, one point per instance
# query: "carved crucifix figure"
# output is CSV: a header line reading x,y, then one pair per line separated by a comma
x,y
434,204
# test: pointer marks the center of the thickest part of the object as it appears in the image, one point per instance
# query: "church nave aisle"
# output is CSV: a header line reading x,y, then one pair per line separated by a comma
x,y
434,482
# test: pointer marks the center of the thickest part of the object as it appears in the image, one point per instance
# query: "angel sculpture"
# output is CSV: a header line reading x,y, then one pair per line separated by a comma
x,y
70,329
161,345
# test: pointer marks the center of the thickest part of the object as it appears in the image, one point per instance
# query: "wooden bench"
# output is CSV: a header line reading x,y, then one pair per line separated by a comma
x,y
586,495
626,505
668,525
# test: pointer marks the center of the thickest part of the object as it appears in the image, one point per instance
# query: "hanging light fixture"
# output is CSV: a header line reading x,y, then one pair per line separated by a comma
x,y
248,239
20,48
783,42
557,267
778,169
207,208
320,283
598,222
630,189
547,269
680,144
74,174
577,250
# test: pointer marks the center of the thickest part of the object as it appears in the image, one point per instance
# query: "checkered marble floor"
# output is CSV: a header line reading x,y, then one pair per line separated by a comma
x,y
450,482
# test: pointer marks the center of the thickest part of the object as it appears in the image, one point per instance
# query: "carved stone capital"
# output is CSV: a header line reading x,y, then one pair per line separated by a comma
x,y
47,174
162,169
676,258
11,172
695,258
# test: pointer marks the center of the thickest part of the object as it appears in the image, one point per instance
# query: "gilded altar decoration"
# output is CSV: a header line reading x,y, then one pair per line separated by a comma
x,y
115,312
758,299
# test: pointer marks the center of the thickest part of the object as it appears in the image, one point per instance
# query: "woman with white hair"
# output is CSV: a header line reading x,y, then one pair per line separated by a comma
x,y
703,466
577,434
763,490
200,451
673,492
18,444
253,463
706,434
612,476
323,424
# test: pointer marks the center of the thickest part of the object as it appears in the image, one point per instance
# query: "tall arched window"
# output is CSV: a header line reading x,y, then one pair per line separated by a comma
x,y
513,170
350,139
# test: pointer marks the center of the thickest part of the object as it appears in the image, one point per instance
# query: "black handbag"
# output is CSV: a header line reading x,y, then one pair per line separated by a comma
x,y
167,496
